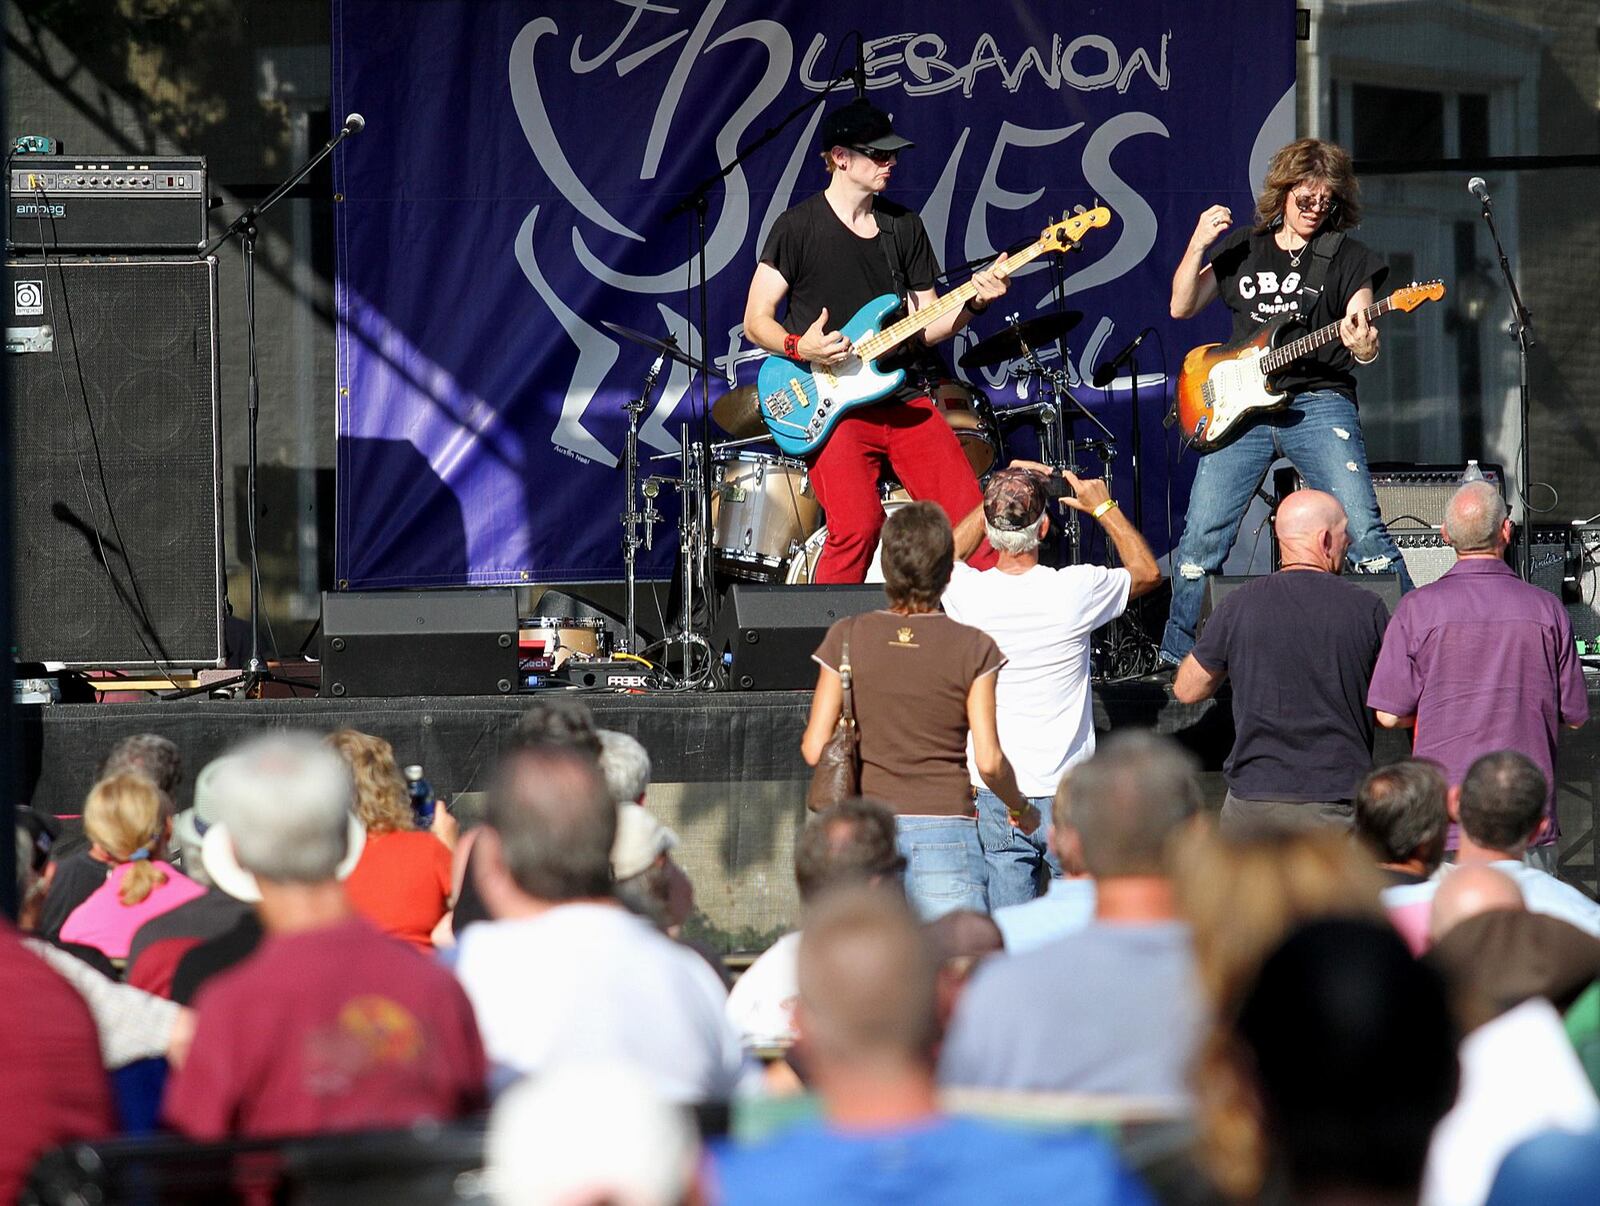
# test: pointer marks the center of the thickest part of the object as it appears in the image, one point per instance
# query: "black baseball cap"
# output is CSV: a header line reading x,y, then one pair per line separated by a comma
x,y
860,124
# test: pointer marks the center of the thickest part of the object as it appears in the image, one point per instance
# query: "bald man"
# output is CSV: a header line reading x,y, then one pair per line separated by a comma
x,y
1481,661
1299,646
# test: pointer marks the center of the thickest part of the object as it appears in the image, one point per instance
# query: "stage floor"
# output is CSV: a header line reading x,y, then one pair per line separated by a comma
x,y
728,775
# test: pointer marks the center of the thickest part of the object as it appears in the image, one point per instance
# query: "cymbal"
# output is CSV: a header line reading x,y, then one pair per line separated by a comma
x,y
662,346
1007,344
738,412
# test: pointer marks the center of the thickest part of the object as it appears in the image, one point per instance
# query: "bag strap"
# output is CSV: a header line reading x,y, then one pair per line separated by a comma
x,y
845,675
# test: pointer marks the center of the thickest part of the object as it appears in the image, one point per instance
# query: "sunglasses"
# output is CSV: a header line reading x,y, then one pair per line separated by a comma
x,y
876,155
1307,204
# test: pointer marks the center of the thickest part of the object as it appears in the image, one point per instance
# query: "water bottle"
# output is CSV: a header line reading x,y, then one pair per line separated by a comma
x,y
1473,473
421,794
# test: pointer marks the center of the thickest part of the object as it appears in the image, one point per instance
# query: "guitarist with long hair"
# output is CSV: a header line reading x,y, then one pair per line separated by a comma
x,y
1296,260
827,257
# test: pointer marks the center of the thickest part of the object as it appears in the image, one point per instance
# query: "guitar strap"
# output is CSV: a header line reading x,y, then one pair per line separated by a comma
x,y
886,226
1323,248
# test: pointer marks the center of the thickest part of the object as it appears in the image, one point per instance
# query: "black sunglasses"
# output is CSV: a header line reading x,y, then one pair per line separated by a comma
x,y
875,154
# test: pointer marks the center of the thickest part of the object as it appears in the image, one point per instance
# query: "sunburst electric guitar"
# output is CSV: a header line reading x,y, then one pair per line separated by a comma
x,y
801,403
1221,385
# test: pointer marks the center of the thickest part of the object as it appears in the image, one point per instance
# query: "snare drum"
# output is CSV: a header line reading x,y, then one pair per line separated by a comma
x,y
804,563
762,510
547,643
970,416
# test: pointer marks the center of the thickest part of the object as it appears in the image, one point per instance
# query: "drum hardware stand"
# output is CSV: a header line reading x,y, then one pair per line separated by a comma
x,y
691,549
1056,445
633,519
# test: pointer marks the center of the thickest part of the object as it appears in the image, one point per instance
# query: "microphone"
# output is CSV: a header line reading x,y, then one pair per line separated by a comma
x,y
353,124
1104,373
859,75
1478,189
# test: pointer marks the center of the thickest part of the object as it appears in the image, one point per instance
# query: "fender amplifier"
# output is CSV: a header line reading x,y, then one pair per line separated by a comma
x,y
106,203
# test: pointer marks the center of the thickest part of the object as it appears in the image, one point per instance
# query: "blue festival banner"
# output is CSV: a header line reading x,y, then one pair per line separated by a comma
x,y
512,188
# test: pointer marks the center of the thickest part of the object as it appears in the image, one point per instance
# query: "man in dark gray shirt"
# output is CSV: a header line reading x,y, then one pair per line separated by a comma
x,y
1120,996
1299,646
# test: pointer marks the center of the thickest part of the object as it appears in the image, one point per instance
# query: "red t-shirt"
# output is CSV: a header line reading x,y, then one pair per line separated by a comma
x,y
337,1029
55,1088
402,884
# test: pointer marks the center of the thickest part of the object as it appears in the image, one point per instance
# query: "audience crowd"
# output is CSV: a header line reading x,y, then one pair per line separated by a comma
x,y
1026,966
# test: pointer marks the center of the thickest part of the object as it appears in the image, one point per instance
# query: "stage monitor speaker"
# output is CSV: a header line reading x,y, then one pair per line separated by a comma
x,y
422,642
766,633
1220,586
111,373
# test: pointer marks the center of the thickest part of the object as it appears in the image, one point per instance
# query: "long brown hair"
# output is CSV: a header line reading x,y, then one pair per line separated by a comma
x,y
381,801
125,815
1307,161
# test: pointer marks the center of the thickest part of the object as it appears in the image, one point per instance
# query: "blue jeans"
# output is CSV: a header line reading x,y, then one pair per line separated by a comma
x,y
944,864
1020,865
1320,433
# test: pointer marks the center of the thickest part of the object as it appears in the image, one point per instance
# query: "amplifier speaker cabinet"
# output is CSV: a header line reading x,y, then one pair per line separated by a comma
x,y
111,379
766,633
106,203
424,642
1566,561
1411,504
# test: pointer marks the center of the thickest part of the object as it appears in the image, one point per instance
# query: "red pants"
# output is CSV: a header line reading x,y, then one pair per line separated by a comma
x,y
914,440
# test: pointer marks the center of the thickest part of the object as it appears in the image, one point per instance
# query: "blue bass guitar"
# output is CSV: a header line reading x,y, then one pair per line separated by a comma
x,y
801,403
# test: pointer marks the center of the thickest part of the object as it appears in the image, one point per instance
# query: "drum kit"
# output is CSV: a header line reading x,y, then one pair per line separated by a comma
x,y
751,515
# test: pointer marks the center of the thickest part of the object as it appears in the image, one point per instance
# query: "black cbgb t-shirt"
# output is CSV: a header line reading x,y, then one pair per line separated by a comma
x,y
828,264
1260,282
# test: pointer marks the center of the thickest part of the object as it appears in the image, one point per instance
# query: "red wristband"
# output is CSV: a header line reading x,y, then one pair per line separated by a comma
x,y
791,346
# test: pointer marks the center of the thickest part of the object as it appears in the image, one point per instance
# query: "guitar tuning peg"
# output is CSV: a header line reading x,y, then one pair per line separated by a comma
x,y
1078,209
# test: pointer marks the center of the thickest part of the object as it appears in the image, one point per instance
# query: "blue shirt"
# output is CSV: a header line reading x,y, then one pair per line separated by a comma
x,y
1067,905
958,1161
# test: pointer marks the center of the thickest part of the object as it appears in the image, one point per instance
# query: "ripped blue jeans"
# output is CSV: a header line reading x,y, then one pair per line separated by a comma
x,y
1320,433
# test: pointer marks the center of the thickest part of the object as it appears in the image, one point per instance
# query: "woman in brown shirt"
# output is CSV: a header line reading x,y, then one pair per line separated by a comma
x,y
921,683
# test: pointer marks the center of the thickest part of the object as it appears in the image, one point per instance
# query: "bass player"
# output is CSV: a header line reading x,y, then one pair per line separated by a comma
x,y
1296,260
828,256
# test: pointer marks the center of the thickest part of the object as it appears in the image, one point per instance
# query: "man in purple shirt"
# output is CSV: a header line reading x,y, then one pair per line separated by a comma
x,y
1481,661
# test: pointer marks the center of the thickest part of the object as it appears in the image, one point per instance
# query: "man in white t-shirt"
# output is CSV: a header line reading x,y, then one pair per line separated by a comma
x,y
1042,619
564,973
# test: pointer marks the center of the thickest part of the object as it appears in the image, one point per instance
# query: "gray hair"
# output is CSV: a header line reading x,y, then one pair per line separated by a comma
x,y
285,800
1016,543
152,756
1129,801
1474,516
555,821
625,764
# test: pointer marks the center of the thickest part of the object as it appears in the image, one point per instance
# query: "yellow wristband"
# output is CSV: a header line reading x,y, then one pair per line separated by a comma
x,y
1103,508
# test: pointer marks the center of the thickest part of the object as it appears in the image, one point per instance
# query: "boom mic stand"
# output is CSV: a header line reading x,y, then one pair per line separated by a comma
x,y
245,226
1520,329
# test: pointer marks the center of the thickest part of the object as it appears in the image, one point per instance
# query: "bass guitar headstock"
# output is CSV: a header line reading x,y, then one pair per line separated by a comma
x,y
1066,233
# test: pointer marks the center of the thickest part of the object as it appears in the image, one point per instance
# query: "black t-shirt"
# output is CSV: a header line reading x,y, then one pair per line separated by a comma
x,y
215,955
827,264
1259,282
1299,647
77,877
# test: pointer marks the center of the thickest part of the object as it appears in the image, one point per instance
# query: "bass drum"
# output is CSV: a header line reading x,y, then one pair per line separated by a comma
x,y
971,417
804,563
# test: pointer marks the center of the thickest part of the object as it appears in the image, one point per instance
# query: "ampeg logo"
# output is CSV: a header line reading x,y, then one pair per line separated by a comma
x,y
28,297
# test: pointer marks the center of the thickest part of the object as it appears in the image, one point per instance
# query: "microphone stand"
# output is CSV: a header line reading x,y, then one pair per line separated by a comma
x,y
245,226
1520,329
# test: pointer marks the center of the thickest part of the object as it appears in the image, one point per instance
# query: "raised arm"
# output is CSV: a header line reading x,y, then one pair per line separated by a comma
x,y
1194,285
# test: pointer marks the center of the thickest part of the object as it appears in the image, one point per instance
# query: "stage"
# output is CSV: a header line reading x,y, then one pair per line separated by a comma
x,y
728,775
